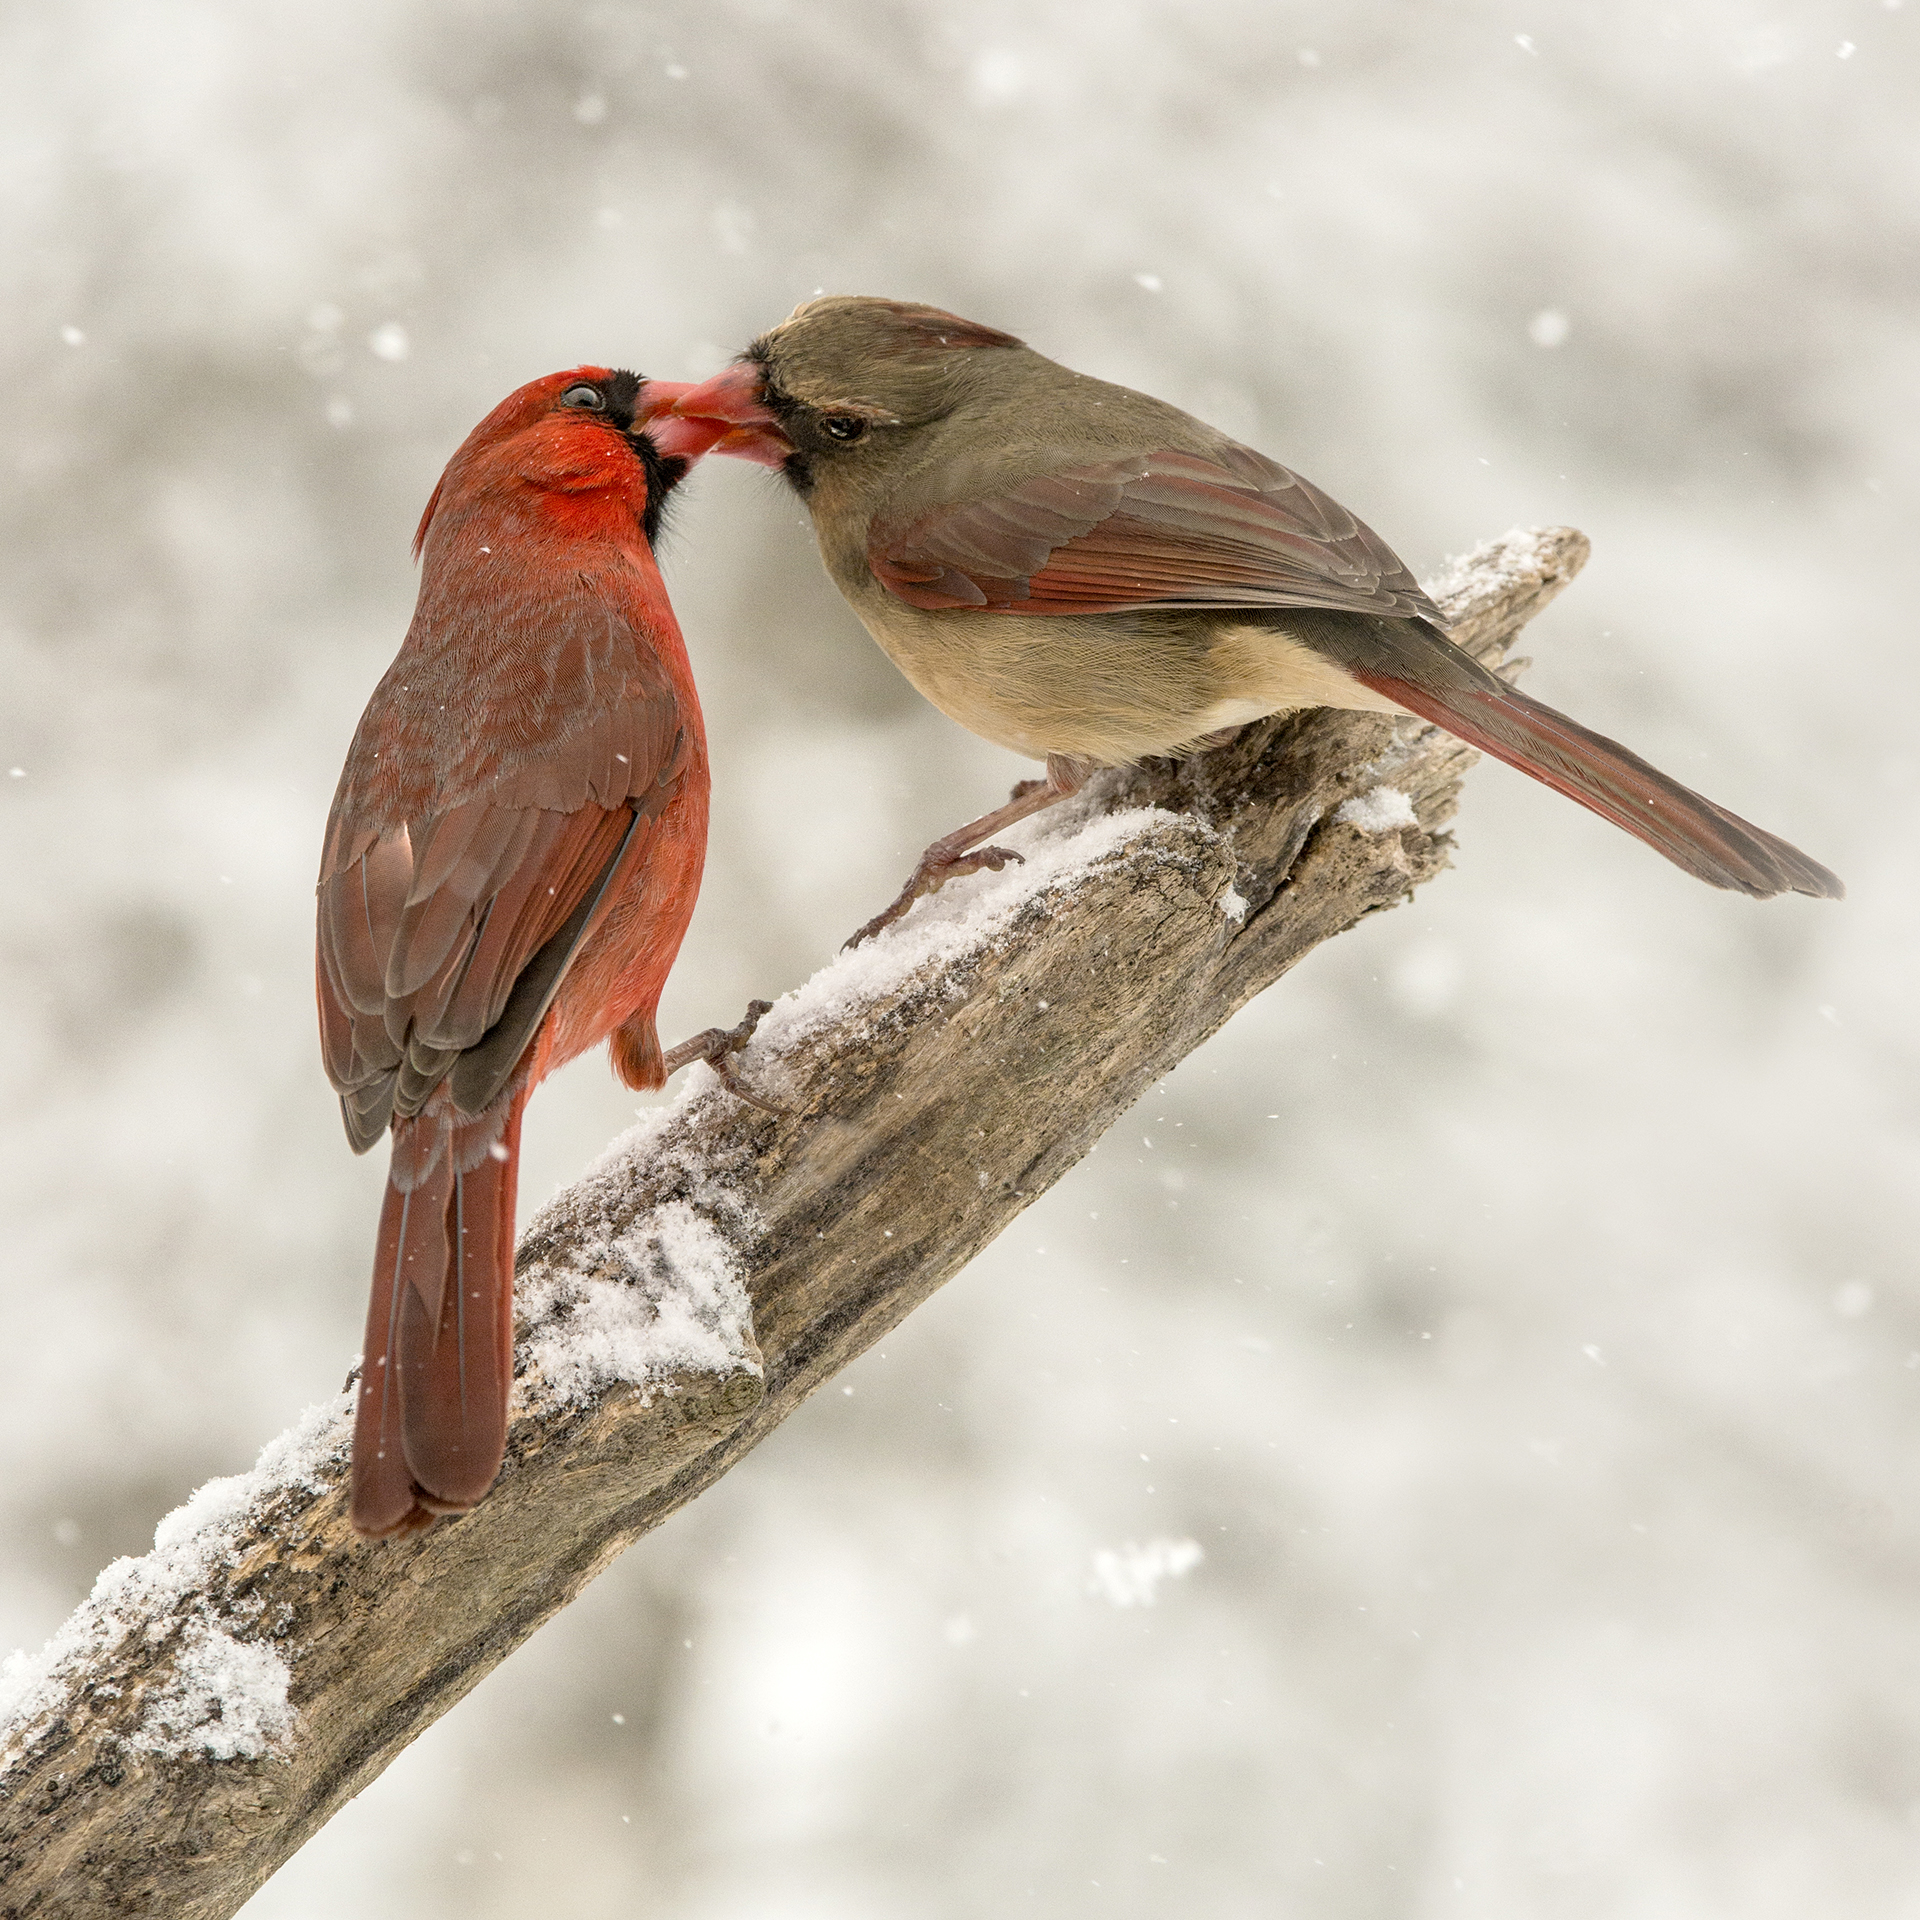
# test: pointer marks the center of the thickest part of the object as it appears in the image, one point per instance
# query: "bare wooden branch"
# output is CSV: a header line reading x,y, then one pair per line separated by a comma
x,y
217,1701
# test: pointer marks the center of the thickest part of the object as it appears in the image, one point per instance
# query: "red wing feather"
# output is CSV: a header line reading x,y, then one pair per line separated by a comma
x,y
459,853
427,925
417,985
1149,530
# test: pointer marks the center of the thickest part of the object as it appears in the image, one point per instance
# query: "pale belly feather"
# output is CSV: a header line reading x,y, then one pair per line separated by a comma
x,y
1109,688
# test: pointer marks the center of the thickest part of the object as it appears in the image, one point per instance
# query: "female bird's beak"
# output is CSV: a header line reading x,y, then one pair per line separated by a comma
x,y
721,415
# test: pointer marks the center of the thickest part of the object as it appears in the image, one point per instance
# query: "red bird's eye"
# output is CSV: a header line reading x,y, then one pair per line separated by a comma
x,y
842,426
585,396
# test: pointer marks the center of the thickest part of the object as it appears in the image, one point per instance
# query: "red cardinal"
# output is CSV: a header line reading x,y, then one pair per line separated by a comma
x,y
511,861
1089,575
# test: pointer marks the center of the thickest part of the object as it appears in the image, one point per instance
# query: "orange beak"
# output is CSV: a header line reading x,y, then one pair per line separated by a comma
x,y
683,439
721,415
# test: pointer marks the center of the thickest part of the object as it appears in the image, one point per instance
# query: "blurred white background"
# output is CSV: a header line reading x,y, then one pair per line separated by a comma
x,y
1517,1304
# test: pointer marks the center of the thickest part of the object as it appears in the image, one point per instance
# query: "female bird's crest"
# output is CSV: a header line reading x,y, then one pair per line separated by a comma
x,y
893,361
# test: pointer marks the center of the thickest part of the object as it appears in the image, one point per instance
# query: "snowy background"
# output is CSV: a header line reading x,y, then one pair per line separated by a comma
x,y
1515,1310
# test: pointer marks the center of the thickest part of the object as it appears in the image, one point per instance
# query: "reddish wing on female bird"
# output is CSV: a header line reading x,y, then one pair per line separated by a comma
x,y
512,859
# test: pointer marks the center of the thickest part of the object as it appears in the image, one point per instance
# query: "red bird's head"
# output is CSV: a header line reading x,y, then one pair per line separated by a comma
x,y
589,431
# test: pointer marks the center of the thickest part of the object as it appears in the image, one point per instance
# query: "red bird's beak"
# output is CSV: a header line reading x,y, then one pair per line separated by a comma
x,y
723,415
675,438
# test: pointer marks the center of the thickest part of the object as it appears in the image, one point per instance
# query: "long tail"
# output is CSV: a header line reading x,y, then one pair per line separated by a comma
x,y
1709,842
430,1429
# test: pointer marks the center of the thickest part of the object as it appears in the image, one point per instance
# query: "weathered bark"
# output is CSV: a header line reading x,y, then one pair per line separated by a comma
x,y
929,1107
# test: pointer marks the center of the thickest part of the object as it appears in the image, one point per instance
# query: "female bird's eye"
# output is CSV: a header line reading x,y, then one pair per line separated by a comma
x,y
842,426
585,396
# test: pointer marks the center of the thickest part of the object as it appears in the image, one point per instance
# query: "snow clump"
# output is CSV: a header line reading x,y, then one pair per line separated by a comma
x,y
1130,1576
1381,810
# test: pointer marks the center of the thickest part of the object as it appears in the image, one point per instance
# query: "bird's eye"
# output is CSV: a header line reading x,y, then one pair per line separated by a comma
x,y
585,396
842,426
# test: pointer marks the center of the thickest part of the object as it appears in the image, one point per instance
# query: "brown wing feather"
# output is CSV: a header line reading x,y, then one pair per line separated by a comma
x,y
1150,530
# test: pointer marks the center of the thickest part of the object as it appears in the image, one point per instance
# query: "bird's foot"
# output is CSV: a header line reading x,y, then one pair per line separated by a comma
x,y
717,1047
934,871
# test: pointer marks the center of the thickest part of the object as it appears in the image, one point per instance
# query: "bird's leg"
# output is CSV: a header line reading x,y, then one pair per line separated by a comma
x,y
717,1046
960,851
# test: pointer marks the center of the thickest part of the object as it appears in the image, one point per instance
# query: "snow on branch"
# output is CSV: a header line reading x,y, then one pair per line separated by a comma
x,y
215,1701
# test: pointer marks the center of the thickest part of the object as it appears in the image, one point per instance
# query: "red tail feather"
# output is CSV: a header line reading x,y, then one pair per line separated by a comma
x,y
431,1424
1707,841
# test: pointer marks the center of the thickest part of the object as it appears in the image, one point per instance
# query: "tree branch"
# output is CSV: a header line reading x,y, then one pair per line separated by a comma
x,y
216,1701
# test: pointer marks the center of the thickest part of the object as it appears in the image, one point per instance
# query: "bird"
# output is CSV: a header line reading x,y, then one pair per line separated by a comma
x,y
1091,576
510,863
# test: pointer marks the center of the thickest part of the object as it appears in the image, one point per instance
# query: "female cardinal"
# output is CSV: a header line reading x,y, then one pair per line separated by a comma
x,y
510,864
1088,575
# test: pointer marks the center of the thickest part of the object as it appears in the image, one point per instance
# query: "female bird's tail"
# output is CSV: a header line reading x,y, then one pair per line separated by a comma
x,y
430,1429
1707,841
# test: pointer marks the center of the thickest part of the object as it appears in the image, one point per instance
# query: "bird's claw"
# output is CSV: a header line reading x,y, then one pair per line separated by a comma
x,y
981,860
717,1047
730,1079
933,873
